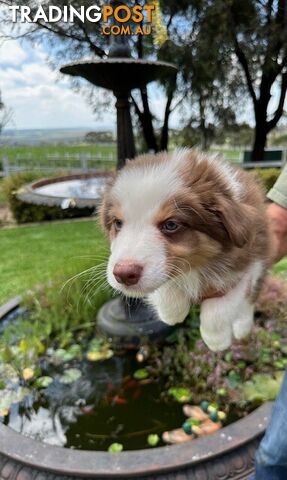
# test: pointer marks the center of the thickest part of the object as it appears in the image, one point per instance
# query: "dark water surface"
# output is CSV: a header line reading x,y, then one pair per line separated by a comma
x,y
105,405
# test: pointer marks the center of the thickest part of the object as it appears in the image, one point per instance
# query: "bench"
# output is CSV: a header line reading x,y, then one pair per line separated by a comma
x,y
272,158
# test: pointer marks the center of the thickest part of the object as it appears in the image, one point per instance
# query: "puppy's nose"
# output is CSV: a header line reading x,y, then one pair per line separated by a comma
x,y
127,273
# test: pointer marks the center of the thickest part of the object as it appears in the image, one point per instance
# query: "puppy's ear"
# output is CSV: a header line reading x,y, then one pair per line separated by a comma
x,y
103,214
237,219
105,207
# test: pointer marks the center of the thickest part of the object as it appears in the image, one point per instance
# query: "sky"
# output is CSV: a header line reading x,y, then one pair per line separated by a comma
x,y
38,96
43,98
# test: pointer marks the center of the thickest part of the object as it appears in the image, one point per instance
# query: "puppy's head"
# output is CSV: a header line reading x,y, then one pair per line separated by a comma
x,y
167,214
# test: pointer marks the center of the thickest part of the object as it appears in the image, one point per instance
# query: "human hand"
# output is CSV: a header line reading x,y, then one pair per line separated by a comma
x,y
277,217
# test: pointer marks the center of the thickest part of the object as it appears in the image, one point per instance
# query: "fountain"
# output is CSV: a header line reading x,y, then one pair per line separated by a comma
x,y
81,191
120,73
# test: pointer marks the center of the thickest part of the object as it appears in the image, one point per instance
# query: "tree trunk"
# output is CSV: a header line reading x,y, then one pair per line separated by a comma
x,y
147,125
165,128
260,140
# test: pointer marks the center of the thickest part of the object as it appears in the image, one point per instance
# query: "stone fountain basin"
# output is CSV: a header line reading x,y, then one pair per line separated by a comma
x,y
66,191
229,453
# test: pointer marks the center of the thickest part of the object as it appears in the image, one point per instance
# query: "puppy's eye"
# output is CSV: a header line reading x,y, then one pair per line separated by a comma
x,y
117,224
170,226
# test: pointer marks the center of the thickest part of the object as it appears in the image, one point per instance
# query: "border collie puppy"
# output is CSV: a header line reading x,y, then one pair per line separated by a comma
x,y
186,228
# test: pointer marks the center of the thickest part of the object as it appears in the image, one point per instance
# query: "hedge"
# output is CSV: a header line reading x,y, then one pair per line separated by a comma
x,y
26,212
268,176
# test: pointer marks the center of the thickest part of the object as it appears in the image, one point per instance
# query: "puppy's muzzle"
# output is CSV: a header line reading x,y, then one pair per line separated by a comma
x,y
127,273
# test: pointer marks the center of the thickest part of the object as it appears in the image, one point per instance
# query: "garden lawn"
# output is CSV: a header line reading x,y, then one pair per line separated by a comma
x,y
2,196
33,255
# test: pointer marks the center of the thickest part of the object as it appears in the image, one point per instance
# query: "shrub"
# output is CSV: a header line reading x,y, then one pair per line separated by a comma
x,y
26,212
268,176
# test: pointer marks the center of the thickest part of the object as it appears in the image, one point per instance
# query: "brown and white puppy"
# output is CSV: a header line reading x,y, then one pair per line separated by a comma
x,y
186,228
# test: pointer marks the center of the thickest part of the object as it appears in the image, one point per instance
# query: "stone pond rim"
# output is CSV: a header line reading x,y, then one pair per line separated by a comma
x,y
229,453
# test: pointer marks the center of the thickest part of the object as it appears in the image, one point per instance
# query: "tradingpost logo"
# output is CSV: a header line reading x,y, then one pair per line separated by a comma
x,y
116,19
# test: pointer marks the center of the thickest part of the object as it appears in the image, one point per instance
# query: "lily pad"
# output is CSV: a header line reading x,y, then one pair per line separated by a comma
x,y
70,375
262,387
8,397
62,355
115,448
43,382
153,439
94,356
141,374
180,394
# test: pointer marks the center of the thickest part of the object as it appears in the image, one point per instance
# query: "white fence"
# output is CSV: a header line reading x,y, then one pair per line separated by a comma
x,y
82,162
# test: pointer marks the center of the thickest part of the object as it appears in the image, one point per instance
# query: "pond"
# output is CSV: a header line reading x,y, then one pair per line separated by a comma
x,y
86,404
89,188
82,391
105,405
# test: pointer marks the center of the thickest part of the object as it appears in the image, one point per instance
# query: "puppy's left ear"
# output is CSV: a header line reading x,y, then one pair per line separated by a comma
x,y
105,205
237,219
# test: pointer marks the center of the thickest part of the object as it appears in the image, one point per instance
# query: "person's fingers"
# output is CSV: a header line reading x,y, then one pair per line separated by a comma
x,y
277,217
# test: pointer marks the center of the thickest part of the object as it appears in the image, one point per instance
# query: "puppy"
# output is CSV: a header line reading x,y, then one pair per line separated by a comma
x,y
188,228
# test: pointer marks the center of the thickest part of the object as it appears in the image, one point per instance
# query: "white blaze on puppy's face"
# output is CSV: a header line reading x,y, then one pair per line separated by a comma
x,y
139,193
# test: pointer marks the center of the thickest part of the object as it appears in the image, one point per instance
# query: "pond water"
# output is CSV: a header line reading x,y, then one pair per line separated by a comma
x,y
89,188
101,405
105,405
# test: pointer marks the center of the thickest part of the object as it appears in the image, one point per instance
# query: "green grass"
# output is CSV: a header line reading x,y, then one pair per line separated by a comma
x,y
233,155
281,267
31,256
2,196
33,155
36,152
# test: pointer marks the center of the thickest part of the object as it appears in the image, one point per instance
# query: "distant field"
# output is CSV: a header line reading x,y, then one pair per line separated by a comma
x,y
233,155
66,155
40,151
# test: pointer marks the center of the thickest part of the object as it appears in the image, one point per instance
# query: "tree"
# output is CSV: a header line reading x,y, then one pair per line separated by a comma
x,y
5,114
254,32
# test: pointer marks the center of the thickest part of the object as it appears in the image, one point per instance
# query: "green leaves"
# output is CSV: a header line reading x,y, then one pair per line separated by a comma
x,y
180,394
63,355
262,387
101,355
43,382
70,375
141,374
99,350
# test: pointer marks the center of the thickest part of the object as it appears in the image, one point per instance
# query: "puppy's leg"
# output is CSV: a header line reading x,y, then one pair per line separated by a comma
x,y
243,322
215,323
251,283
171,303
231,313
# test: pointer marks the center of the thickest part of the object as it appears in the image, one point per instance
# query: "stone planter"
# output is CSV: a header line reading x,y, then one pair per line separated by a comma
x,y
226,454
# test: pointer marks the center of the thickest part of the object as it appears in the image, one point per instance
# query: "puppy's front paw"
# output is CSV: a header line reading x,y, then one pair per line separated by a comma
x,y
171,320
215,325
217,342
170,303
244,321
